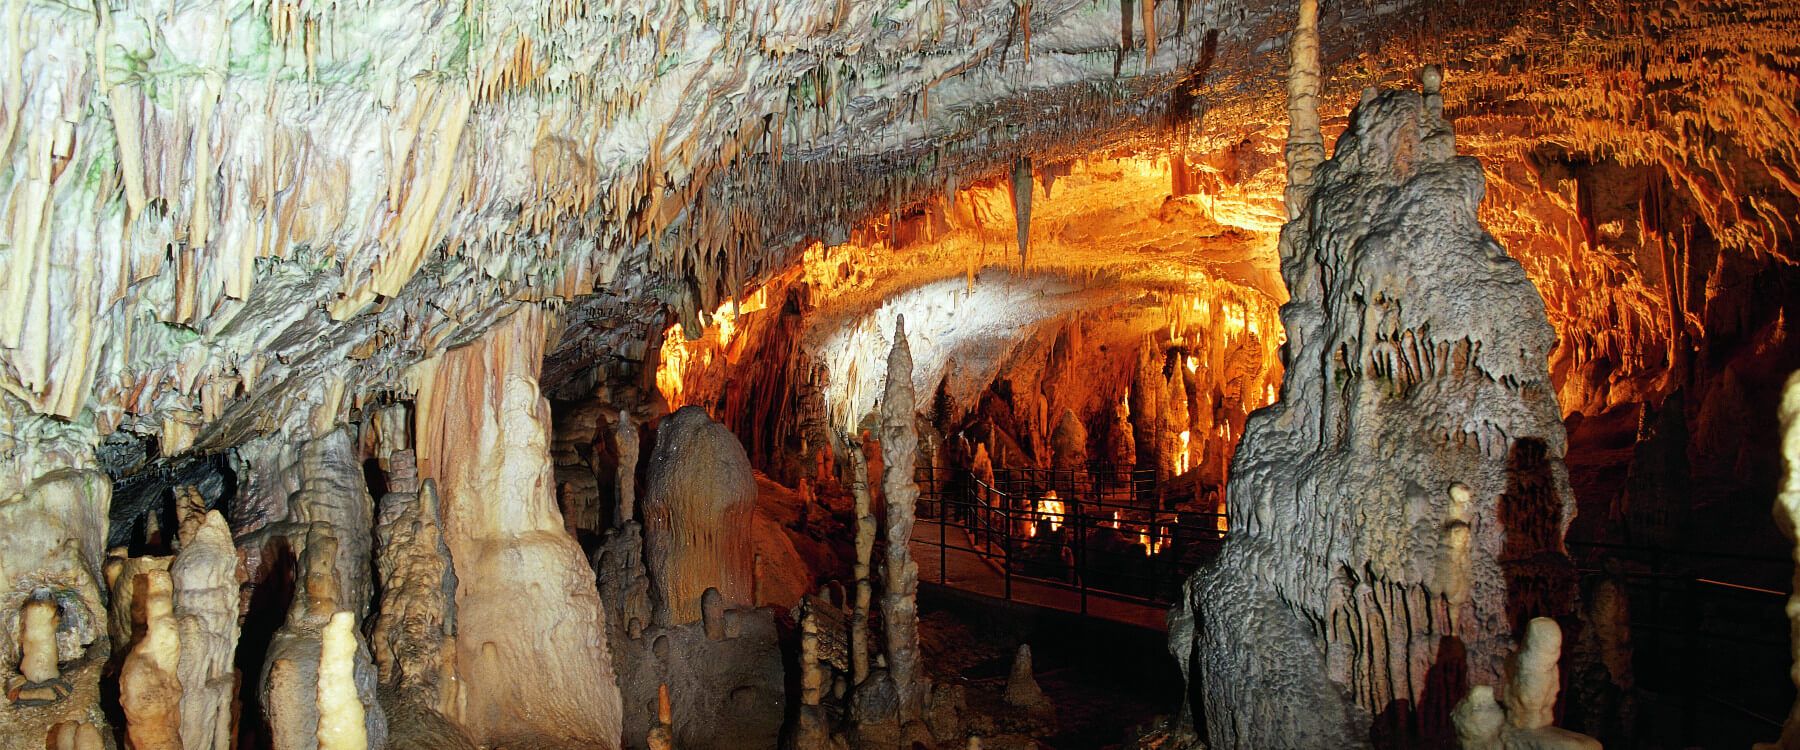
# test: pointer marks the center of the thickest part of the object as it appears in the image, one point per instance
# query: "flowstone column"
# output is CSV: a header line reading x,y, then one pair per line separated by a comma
x,y
1399,514
531,648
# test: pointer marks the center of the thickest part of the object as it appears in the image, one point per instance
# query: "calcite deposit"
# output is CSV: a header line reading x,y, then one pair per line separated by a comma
x,y
1400,511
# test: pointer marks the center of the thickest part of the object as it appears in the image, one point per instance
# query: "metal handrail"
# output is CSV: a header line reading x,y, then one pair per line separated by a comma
x,y
1012,528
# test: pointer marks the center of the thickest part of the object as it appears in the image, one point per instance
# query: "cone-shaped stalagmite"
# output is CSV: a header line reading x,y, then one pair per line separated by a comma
x,y
899,452
206,612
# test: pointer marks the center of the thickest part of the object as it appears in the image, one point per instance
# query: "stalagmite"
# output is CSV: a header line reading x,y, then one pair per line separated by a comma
x,y
37,640
531,647
899,596
149,687
625,436
206,611
1305,144
865,550
1524,719
412,637
290,675
1408,327
699,499
1022,689
341,722
1787,517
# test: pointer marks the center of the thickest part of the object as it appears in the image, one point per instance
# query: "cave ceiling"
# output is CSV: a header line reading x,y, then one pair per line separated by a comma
x,y
225,219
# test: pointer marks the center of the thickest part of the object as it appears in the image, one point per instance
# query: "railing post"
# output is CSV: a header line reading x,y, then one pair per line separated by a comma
x,y
1006,559
1080,551
943,539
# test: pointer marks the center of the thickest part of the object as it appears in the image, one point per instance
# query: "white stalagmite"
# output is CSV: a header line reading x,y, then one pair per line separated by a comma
x,y
341,720
899,597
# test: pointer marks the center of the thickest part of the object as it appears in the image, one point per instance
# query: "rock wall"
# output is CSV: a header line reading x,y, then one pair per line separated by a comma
x,y
1399,513
531,647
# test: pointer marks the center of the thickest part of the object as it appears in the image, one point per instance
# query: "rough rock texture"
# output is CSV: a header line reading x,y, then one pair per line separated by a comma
x,y
416,621
1787,516
415,626
900,588
1416,410
697,514
206,617
531,646
726,689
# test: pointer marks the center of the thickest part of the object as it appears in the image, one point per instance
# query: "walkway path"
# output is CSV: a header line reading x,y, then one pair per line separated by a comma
x,y
967,571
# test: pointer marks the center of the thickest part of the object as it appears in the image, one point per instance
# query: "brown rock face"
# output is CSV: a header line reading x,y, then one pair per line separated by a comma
x,y
1400,512
531,649
697,513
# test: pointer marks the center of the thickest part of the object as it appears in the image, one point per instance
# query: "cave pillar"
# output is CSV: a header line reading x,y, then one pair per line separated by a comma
x,y
531,651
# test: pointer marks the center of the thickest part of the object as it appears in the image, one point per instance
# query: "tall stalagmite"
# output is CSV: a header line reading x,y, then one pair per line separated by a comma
x,y
899,597
206,616
531,647
1417,365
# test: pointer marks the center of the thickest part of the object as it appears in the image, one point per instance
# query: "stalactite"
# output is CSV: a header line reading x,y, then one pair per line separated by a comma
x,y
1021,200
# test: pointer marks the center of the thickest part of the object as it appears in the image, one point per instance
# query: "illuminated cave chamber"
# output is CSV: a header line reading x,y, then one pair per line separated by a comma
x,y
788,373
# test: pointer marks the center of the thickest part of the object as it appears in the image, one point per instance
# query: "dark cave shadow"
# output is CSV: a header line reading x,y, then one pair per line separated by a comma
x,y
1540,578
1427,725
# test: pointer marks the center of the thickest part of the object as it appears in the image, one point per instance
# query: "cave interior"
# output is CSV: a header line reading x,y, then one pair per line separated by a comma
x,y
833,374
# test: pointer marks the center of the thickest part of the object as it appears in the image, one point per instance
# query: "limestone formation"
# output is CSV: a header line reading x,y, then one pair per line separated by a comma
x,y
531,647
696,506
1068,443
1524,719
206,618
1416,403
900,590
413,631
1022,691
341,722
149,684
290,675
